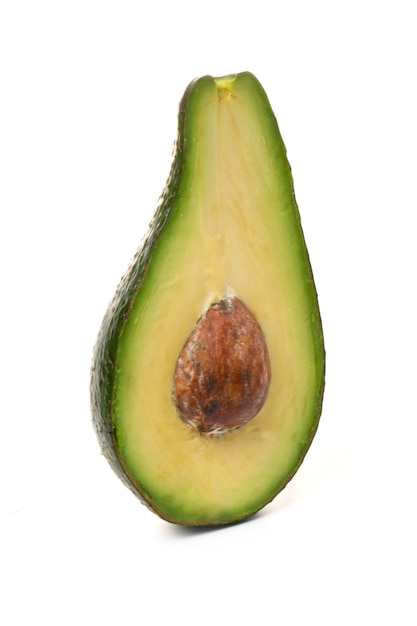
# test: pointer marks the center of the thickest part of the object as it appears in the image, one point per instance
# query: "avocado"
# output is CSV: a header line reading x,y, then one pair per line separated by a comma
x,y
208,372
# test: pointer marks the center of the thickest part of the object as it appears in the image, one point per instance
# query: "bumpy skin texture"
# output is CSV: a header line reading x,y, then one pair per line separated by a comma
x,y
106,348
105,352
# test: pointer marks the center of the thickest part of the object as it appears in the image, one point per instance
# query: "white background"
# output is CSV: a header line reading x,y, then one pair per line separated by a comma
x,y
88,106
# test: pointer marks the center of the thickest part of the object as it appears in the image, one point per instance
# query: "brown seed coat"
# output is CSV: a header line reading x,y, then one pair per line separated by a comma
x,y
223,372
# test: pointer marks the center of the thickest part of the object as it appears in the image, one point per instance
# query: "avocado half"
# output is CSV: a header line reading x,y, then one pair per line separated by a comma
x,y
208,371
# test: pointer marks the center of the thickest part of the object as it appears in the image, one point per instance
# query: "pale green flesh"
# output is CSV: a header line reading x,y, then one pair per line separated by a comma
x,y
233,229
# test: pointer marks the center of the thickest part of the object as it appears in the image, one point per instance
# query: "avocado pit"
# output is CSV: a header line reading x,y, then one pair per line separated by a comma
x,y
223,371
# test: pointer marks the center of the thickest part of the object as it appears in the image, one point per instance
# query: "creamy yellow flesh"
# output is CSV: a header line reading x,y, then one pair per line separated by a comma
x,y
235,236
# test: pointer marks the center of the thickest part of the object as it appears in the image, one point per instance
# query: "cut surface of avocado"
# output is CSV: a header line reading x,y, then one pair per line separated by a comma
x,y
227,230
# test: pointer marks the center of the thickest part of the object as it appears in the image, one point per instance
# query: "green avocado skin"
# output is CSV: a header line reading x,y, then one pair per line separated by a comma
x,y
105,352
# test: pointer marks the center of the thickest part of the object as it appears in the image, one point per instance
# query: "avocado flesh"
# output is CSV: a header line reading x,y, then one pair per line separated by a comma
x,y
227,224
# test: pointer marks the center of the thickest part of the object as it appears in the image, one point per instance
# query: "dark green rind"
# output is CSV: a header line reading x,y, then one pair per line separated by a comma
x,y
106,348
105,352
